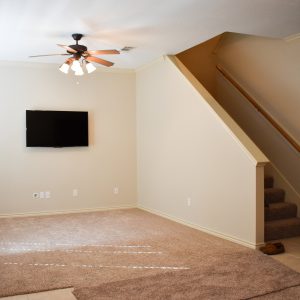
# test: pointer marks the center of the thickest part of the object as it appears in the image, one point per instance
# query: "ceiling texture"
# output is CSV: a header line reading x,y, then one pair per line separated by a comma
x,y
153,27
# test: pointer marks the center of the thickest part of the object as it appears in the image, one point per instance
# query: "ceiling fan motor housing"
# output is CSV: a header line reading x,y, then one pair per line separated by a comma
x,y
79,48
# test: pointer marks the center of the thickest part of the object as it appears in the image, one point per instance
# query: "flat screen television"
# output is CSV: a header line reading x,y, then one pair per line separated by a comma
x,y
46,128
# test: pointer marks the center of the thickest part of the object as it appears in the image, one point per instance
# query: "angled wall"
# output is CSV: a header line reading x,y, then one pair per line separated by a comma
x,y
268,69
194,164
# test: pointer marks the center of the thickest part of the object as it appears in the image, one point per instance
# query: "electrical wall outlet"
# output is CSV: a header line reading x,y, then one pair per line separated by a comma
x,y
116,190
41,195
75,192
35,195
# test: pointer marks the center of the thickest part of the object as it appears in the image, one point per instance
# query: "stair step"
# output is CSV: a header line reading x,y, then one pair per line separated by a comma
x,y
280,210
269,182
280,229
274,195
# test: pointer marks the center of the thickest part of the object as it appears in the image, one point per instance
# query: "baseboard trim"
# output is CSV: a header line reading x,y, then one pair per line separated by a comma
x,y
61,212
203,229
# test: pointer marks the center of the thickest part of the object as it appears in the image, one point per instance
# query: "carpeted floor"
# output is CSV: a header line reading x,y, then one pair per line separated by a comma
x,y
197,284
131,253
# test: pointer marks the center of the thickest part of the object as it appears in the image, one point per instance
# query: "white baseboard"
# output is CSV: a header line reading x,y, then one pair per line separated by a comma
x,y
59,212
206,230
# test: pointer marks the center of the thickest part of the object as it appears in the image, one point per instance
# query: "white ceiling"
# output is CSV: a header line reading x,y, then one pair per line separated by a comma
x,y
154,27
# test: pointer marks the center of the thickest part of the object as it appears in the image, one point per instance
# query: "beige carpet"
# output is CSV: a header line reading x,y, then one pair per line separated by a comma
x,y
215,282
110,248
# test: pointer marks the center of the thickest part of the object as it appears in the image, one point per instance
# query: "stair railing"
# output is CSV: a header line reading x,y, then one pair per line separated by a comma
x,y
259,108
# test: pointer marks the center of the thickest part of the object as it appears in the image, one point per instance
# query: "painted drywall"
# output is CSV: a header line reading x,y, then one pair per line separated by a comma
x,y
108,162
201,62
284,158
269,70
187,154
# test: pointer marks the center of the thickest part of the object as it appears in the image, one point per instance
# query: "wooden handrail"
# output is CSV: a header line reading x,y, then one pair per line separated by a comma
x,y
289,138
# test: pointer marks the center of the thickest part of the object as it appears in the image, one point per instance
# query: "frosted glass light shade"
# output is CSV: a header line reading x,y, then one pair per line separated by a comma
x,y
90,67
75,65
64,68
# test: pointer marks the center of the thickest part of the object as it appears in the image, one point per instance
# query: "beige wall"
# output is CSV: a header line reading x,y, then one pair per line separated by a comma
x,y
188,149
268,69
186,152
109,161
277,149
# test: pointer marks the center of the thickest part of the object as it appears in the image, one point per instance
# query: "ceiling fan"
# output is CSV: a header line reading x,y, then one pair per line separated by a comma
x,y
80,55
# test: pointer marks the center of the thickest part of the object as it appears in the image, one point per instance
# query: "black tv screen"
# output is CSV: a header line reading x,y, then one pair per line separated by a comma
x,y
45,128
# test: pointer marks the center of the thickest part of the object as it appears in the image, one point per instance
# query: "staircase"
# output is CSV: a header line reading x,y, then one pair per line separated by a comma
x,y
280,217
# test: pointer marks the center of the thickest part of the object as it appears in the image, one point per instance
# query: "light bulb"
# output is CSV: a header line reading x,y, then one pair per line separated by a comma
x,y
90,67
76,65
79,71
64,68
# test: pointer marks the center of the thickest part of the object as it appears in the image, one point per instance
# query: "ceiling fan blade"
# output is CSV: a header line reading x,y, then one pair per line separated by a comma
x,y
48,55
99,61
67,48
97,52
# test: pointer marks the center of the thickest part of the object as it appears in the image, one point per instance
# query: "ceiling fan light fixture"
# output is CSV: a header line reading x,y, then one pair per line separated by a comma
x,y
64,68
90,67
76,66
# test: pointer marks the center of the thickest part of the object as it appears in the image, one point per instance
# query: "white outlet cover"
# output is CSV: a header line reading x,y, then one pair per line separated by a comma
x,y
116,190
189,201
42,195
75,192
